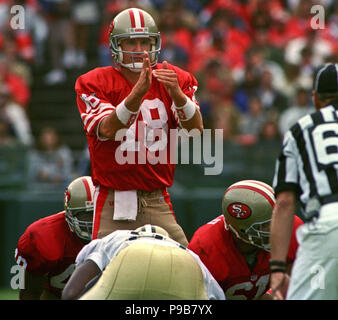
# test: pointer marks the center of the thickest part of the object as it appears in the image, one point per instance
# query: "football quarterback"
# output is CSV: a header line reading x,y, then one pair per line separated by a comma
x,y
235,245
48,247
139,96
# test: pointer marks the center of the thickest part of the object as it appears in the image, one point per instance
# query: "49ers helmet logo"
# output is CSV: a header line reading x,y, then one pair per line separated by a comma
x,y
239,210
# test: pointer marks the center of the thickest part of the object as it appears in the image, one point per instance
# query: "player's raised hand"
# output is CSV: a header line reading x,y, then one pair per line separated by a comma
x,y
169,79
141,87
144,82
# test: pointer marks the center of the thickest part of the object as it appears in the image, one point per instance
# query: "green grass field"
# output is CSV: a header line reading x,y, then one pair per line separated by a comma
x,y
8,294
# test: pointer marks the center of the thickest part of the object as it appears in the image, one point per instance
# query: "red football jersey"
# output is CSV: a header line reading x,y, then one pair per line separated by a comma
x,y
49,247
217,250
98,93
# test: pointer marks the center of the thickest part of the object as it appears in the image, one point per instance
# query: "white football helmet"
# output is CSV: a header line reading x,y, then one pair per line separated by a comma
x,y
134,23
247,208
79,207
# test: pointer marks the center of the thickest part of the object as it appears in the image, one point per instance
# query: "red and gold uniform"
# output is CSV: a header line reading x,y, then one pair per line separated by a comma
x,y
215,246
49,248
98,93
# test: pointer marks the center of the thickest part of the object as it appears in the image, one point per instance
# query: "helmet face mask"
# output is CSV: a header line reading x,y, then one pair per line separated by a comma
x,y
247,207
132,24
258,236
81,222
79,207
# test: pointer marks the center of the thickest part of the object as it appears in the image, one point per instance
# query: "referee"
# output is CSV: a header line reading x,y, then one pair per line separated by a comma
x,y
307,170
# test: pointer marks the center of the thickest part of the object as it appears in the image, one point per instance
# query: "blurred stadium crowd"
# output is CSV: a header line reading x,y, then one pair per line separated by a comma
x,y
254,61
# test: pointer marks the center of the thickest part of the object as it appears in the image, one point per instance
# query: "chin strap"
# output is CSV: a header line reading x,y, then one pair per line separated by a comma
x,y
134,67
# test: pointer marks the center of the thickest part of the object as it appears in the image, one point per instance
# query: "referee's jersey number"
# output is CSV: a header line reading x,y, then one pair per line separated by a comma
x,y
325,144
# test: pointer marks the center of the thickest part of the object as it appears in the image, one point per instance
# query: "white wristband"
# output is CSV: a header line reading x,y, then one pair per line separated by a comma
x,y
126,116
187,111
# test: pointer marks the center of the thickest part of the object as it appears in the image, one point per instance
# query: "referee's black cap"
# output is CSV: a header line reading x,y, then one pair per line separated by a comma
x,y
326,80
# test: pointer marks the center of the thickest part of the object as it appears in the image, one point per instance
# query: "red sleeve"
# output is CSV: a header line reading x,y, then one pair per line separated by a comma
x,y
28,255
208,243
92,106
42,246
194,244
201,243
297,222
207,234
189,85
203,250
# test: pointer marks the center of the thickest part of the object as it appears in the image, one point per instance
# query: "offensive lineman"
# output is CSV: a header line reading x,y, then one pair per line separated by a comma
x,y
49,246
146,99
140,265
235,246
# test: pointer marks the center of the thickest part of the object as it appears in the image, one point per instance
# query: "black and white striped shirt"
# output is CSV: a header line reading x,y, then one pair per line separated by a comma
x,y
308,163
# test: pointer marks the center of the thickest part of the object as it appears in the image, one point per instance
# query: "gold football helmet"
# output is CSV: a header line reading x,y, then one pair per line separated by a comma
x,y
79,207
247,208
134,23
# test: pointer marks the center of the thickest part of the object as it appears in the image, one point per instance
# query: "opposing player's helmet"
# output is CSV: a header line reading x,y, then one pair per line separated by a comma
x,y
149,228
79,207
134,23
247,207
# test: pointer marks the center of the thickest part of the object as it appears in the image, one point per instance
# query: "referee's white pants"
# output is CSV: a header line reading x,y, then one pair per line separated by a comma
x,y
314,274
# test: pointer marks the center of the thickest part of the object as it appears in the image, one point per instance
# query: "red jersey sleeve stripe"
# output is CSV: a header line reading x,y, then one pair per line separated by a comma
x,y
87,117
95,113
90,121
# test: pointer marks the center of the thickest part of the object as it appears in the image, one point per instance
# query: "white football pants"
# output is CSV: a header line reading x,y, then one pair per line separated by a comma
x,y
314,274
